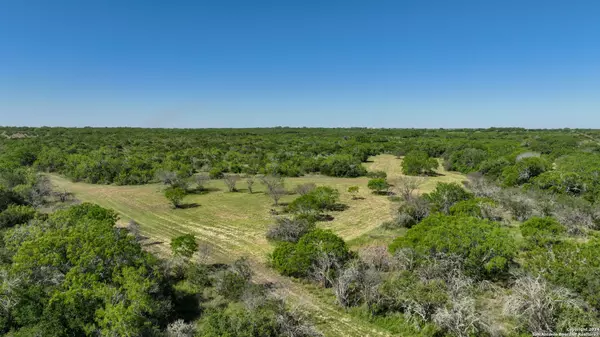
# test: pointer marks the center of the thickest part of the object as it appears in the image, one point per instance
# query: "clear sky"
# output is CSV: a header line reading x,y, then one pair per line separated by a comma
x,y
446,63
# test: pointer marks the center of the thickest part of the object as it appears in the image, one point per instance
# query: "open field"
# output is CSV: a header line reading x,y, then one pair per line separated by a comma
x,y
234,225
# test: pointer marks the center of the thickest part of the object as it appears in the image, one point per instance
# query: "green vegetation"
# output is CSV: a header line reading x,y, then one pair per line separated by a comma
x,y
184,245
419,162
315,252
486,247
320,199
445,196
378,185
509,249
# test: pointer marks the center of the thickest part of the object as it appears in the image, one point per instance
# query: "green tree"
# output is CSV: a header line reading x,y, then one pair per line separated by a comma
x,y
445,196
15,215
417,163
297,259
523,171
467,160
378,185
342,165
320,199
175,195
184,245
487,248
81,275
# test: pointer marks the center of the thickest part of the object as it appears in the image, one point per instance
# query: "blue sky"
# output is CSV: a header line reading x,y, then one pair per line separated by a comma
x,y
153,63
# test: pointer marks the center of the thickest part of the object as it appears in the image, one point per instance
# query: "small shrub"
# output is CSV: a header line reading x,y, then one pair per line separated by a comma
x,y
353,190
406,186
201,181
538,306
306,188
412,212
472,207
230,181
320,199
377,174
175,195
378,185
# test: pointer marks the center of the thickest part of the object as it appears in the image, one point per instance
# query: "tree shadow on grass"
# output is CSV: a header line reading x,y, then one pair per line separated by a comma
x,y
152,243
381,192
325,217
205,190
338,207
189,205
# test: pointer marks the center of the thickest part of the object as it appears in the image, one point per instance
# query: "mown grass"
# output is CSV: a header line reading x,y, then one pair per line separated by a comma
x,y
233,224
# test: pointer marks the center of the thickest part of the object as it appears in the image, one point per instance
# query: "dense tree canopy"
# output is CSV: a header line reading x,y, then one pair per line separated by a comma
x,y
487,248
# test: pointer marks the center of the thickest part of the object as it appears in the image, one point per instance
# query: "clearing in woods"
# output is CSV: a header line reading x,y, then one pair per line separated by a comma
x,y
234,225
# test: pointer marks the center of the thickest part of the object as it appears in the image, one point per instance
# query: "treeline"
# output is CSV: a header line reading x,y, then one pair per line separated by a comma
x,y
134,156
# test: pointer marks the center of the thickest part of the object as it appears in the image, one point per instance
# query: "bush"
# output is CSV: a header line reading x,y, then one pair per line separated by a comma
x,y
230,181
493,168
297,259
417,299
572,265
412,212
320,199
175,195
16,215
417,163
523,171
521,206
342,165
559,182
306,188
467,160
184,245
378,185
231,284
541,231
353,190
377,174
487,248
445,196
8,197
290,230
471,207
217,172
540,306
